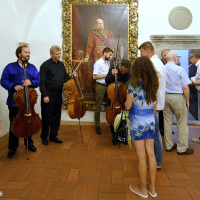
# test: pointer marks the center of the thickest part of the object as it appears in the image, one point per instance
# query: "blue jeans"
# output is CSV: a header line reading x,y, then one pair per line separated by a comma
x,y
158,141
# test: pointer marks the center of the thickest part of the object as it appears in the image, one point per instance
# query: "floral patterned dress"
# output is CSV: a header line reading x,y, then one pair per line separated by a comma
x,y
142,120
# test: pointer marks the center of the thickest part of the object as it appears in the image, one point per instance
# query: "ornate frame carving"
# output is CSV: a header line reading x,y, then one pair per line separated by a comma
x,y
67,32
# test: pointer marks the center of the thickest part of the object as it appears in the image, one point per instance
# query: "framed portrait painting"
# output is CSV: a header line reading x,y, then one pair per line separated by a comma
x,y
88,27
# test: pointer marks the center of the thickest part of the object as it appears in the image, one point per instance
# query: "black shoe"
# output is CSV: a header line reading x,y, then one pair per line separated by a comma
x,y
11,153
45,141
98,130
32,148
187,152
174,147
114,141
55,139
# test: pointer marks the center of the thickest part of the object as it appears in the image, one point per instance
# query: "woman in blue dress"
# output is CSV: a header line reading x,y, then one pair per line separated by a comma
x,y
141,101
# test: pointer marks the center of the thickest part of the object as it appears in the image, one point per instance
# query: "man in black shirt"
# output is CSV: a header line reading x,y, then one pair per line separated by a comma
x,y
123,76
53,75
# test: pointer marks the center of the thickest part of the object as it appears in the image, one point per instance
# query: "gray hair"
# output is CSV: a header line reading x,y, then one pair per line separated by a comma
x,y
195,53
55,48
164,51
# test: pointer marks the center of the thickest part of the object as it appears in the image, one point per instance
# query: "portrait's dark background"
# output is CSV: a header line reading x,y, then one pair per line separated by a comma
x,y
115,18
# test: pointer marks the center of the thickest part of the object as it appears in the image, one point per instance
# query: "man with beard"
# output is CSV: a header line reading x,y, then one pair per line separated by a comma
x,y
100,71
12,79
98,39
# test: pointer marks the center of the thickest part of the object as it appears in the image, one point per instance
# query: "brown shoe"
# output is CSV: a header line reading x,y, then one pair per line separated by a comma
x,y
174,147
187,152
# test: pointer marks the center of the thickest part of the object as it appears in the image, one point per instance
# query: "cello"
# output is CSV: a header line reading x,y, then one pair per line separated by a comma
x,y
116,95
27,122
76,106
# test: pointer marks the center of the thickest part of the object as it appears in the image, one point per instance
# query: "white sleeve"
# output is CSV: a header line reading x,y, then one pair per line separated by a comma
x,y
96,68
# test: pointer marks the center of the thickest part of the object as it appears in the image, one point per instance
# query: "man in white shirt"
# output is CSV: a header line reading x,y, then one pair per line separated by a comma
x,y
100,71
161,119
147,49
194,58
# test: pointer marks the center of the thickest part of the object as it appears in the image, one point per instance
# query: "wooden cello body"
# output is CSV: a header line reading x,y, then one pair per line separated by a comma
x,y
116,95
27,122
76,105
116,100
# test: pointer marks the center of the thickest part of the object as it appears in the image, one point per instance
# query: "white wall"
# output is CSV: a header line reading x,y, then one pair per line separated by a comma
x,y
8,44
153,18
39,23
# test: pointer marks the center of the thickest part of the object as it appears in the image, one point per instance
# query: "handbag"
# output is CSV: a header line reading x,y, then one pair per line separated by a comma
x,y
122,131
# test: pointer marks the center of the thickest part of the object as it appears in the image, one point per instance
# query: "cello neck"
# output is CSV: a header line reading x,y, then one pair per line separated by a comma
x,y
116,82
79,88
27,99
116,89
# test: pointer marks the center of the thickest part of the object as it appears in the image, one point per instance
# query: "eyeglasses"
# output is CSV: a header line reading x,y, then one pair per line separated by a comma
x,y
190,57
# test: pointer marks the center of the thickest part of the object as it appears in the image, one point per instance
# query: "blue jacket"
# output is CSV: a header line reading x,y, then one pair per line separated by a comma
x,y
13,74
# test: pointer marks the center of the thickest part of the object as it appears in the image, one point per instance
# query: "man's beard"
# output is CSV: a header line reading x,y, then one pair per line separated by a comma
x,y
24,59
106,58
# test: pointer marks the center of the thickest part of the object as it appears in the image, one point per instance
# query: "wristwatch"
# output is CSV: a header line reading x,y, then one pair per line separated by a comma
x,y
192,83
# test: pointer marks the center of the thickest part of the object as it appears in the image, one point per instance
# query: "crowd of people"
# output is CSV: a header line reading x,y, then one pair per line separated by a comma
x,y
155,91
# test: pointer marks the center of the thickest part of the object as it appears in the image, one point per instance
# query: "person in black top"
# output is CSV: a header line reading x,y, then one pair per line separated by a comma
x,y
123,76
53,75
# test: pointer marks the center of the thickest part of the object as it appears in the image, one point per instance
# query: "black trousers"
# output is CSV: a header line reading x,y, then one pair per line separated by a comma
x,y
161,122
51,115
13,142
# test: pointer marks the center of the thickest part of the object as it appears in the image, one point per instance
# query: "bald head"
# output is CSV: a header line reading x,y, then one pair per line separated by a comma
x,y
172,56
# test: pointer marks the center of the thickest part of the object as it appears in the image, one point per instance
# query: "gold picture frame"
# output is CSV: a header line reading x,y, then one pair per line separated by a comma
x,y
67,34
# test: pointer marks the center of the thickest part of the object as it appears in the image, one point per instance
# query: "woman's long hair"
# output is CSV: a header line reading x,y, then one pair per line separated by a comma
x,y
143,70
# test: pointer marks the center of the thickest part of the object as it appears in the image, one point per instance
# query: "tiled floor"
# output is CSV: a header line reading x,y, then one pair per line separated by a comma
x,y
93,170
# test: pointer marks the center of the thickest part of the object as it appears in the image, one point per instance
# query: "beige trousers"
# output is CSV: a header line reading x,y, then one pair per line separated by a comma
x,y
175,104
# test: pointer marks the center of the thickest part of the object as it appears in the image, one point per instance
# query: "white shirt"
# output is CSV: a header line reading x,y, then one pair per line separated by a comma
x,y
176,78
101,67
161,72
196,78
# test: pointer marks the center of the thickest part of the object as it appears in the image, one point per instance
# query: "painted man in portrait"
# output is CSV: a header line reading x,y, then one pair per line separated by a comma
x,y
98,39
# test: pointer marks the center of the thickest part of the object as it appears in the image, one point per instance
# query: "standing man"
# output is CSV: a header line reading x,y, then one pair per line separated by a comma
x,y
194,58
12,79
147,49
161,119
98,39
123,75
53,75
177,91
100,71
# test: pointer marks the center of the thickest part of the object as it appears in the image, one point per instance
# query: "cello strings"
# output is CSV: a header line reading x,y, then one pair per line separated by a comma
x,y
77,67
